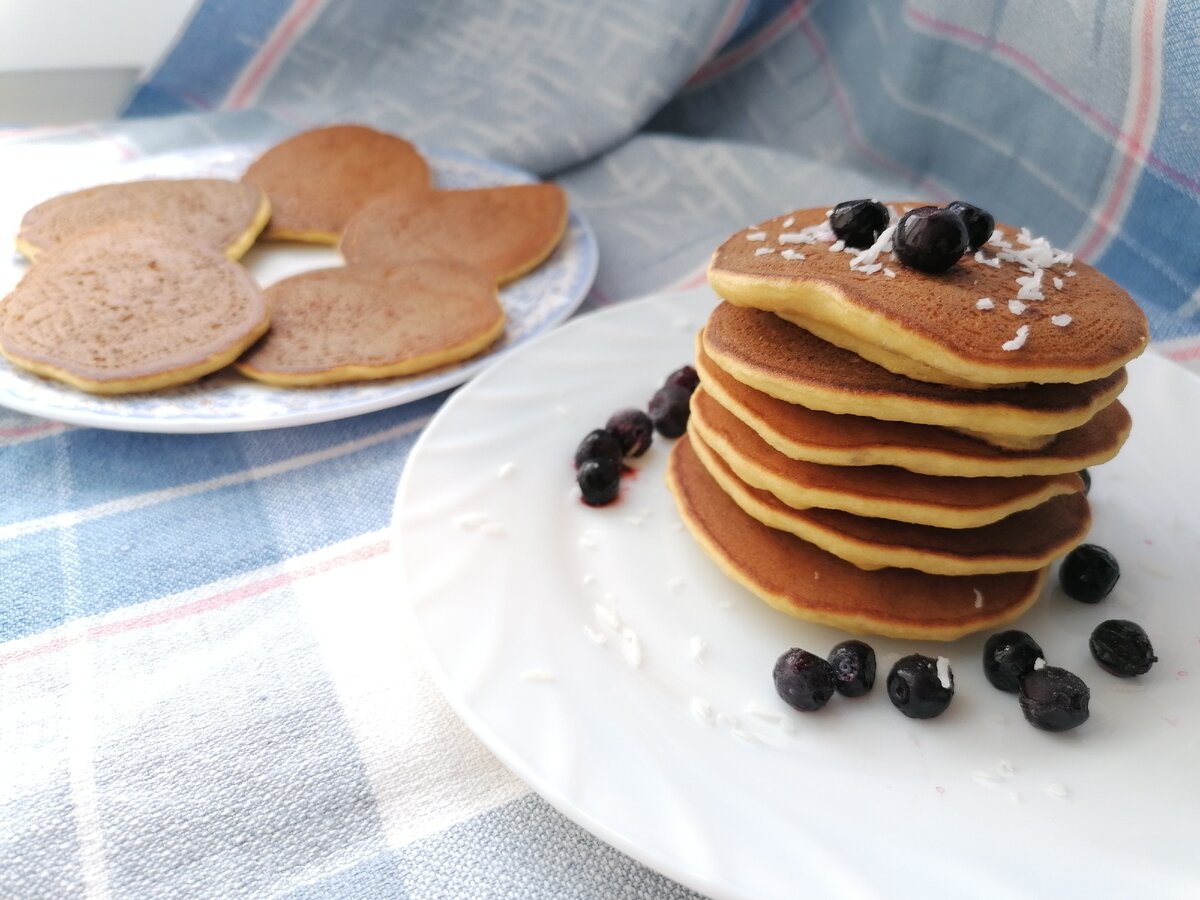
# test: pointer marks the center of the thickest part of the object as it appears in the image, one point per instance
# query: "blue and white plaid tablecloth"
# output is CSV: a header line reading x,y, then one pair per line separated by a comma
x,y
203,689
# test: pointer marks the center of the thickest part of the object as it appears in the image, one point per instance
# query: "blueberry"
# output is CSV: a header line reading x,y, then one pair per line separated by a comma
x,y
1007,656
1122,648
669,410
979,222
916,688
633,429
1087,481
854,667
930,239
1054,699
599,480
1088,573
804,680
599,443
686,378
859,222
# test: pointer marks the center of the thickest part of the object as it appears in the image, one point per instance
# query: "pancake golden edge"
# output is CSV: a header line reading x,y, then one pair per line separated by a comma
x,y
925,460
766,508
930,513
1025,587
233,252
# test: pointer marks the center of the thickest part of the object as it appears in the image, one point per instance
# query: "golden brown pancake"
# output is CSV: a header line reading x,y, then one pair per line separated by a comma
x,y
933,319
1021,542
360,323
802,580
880,491
318,179
131,307
822,437
223,215
781,359
506,231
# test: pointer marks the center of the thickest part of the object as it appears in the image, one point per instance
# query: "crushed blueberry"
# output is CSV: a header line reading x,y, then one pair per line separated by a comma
x,y
599,443
859,222
633,429
1087,481
1088,573
1009,655
979,223
1054,699
930,239
854,667
669,408
599,481
804,680
1122,648
916,688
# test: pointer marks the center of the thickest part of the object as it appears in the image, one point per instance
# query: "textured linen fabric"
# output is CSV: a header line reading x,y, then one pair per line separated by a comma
x,y
206,689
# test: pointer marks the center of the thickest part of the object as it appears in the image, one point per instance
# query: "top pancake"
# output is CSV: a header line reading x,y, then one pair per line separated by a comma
x,y
781,359
318,179
224,215
933,319
506,231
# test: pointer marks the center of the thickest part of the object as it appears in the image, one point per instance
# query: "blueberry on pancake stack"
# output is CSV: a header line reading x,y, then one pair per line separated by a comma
x,y
894,404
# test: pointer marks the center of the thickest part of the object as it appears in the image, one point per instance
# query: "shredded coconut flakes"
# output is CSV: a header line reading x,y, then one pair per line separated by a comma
x,y
1061,320
1018,341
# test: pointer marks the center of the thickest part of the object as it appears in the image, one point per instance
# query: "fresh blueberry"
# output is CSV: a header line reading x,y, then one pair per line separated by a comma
x,y
979,222
669,408
854,665
1009,655
804,680
599,480
633,429
599,443
686,378
1054,699
1088,573
1087,481
930,239
919,687
859,222
1122,648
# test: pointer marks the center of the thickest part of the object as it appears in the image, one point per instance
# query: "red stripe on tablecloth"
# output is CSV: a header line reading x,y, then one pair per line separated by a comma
x,y
262,64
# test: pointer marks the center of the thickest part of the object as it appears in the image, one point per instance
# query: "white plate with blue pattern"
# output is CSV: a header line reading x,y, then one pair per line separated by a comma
x,y
226,401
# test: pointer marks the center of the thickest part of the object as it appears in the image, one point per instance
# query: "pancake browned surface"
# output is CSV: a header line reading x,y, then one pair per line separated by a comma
x,y
846,440
882,491
506,231
933,318
131,308
800,579
224,215
781,359
318,179
359,323
1021,542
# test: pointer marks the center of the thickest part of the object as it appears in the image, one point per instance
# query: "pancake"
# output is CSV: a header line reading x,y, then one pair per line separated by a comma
x,y
933,319
318,179
131,307
1022,542
822,437
506,231
875,491
783,360
223,215
360,323
798,578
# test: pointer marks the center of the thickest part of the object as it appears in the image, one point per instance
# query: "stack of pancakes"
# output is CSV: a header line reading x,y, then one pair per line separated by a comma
x,y
895,452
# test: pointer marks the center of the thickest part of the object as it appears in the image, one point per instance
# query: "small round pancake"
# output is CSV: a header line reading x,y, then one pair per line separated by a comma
x,y
874,491
1022,542
360,323
318,179
781,359
821,437
506,231
224,215
933,319
131,307
800,579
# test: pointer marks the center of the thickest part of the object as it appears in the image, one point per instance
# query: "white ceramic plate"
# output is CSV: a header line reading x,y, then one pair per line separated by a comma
x,y
226,401
511,580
